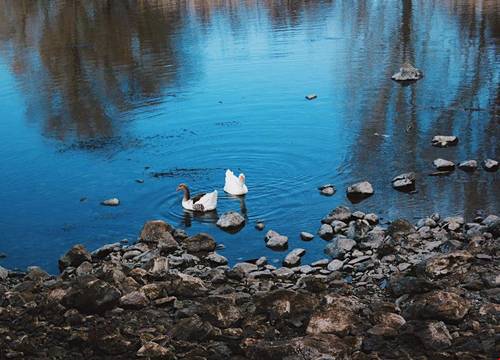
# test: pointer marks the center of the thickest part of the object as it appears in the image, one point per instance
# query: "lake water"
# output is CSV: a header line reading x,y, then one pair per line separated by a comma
x,y
96,94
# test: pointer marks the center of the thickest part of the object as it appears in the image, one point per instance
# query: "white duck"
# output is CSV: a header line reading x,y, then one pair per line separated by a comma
x,y
200,202
235,185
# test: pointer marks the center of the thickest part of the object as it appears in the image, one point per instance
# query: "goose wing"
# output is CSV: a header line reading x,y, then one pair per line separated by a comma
x,y
208,201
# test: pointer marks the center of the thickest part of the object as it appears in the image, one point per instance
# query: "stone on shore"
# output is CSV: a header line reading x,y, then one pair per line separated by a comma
x,y
111,202
490,165
404,182
152,350
407,72
276,241
74,257
4,273
231,221
155,230
335,265
325,232
444,141
199,243
468,165
444,165
292,259
359,191
339,246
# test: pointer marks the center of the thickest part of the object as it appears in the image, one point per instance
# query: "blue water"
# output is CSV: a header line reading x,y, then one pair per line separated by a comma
x,y
94,96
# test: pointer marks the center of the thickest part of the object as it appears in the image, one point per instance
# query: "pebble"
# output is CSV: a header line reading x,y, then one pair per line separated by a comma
x,y
260,226
111,202
327,190
407,72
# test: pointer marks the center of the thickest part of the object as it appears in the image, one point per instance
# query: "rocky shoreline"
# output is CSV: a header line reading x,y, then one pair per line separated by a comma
x,y
404,291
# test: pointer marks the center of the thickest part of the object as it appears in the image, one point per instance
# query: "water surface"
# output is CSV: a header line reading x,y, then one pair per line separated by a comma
x,y
97,94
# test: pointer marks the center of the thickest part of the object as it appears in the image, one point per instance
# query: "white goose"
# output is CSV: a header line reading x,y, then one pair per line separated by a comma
x,y
235,185
200,202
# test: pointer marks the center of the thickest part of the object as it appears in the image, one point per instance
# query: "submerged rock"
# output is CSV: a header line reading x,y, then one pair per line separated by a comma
x,y
490,165
359,191
444,165
468,165
404,182
341,213
231,221
327,190
407,72
111,202
444,141
276,241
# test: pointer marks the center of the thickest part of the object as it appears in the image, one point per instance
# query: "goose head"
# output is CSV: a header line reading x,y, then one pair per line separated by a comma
x,y
183,187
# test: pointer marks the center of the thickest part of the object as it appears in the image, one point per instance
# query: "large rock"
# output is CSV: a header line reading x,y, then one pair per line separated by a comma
x,y
74,257
155,230
180,284
468,165
276,241
341,213
192,328
407,72
134,300
199,243
90,295
231,221
490,165
439,305
444,264
105,250
401,285
400,227
404,182
293,258
433,335
444,141
339,246
325,232
359,191
444,165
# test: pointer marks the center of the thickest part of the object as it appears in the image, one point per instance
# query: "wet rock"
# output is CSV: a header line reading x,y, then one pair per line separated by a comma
x,y
490,165
339,246
444,165
306,236
152,350
335,265
276,241
407,73
341,213
404,182
199,243
439,305
154,231
468,165
74,257
359,191
89,294
134,300
111,202
444,141
231,221
311,96
327,190
293,258
325,232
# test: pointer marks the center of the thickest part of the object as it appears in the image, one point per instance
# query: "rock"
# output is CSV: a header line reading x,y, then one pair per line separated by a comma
x,y
185,285
444,165
327,190
74,257
468,165
231,221
444,141
404,182
216,259
84,268
293,258
359,191
105,250
339,246
154,231
371,218
340,213
325,232
433,335
192,328
283,273
490,165
400,227
306,236
276,241
158,265
494,228
358,229
444,264
406,73
90,295
439,305
245,268
152,350
4,273
261,261
311,96
134,300
260,226
335,265
111,202
199,243
374,239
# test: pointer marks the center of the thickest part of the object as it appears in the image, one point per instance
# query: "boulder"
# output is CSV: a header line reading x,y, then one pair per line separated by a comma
x,y
433,335
154,231
359,191
306,236
293,258
341,213
439,305
276,241
231,221
490,165
216,259
407,73
335,265
400,227
134,300
404,182
90,295
105,250
468,165
74,257
339,246
152,350
325,232
444,141
444,264
358,229
444,165
199,243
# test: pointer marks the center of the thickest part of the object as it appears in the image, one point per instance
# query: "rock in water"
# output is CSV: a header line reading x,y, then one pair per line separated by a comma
x,y
111,202
260,225
444,165
444,141
311,96
306,236
327,190
490,165
407,72
404,182
293,258
276,241
359,191
231,221
468,165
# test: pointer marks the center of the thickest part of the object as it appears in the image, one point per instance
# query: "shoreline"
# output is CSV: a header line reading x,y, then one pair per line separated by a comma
x,y
382,292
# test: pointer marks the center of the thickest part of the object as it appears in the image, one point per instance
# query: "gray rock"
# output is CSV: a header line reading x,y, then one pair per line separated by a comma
x,y
444,141
358,229
359,259
199,243
4,273
341,213
359,191
134,300
260,226
306,236
216,259
155,230
339,246
276,241
325,232
444,165
293,258
327,190
407,72
231,220
111,202
245,268
261,261
468,165
283,273
261,274
404,182
371,218
89,294
335,265
158,265
490,165
152,350
105,250
74,257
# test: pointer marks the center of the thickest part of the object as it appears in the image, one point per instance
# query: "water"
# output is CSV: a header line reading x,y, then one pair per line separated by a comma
x,y
97,94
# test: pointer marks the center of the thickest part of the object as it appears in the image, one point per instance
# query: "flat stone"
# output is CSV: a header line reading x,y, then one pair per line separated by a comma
x,y
341,213
245,267
404,182
111,202
339,246
335,265
444,141
468,165
371,218
444,165
490,165
283,273
359,259
306,236
276,241
134,300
